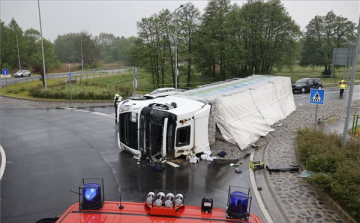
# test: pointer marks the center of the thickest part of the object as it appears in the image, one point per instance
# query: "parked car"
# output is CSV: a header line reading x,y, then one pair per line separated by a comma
x,y
305,84
22,73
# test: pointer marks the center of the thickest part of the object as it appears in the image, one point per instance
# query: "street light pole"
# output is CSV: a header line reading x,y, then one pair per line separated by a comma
x,y
176,42
42,47
346,125
82,61
17,44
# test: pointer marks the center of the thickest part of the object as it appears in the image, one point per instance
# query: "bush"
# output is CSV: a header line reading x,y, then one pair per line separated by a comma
x,y
108,59
326,73
337,167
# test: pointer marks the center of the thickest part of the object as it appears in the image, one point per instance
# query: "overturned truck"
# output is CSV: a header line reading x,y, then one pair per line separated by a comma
x,y
185,123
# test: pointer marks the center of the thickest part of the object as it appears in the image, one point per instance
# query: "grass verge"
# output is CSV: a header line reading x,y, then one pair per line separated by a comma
x,y
337,170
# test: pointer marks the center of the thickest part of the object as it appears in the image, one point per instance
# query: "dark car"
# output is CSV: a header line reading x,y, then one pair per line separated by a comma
x,y
305,84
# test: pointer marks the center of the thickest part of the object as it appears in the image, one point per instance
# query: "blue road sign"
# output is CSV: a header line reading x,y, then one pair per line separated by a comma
x,y
317,96
69,75
5,71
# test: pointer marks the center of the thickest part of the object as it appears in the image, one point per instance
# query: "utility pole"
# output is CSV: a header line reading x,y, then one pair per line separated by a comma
x,y
176,42
346,126
17,44
42,47
82,61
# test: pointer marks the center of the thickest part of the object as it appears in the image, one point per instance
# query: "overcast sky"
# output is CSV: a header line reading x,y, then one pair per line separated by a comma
x,y
120,17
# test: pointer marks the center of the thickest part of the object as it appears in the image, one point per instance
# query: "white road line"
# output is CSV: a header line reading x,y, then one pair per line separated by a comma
x,y
257,194
95,113
3,162
103,114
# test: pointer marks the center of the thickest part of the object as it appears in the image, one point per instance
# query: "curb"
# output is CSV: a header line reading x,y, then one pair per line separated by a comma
x,y
67,101
339,210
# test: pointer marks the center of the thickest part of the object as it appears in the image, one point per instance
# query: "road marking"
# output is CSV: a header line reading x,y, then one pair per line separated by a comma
x,y
3,162
102,114
257,194
95,113
172,164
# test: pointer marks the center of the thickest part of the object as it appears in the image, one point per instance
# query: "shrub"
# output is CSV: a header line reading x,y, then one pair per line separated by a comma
x,y
323,181
322,153
108,59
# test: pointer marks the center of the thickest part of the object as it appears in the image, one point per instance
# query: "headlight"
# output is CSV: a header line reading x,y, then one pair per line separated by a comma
x,y
126,107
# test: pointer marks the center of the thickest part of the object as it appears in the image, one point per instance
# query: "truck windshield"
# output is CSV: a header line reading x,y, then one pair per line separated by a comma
x,y
154,131
128,130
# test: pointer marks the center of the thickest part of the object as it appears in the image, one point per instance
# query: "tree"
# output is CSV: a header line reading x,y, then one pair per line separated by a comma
x,y
66,49
323,34
189,18
90,48
106,41
9,53
269,35
154,41
211,38
29,43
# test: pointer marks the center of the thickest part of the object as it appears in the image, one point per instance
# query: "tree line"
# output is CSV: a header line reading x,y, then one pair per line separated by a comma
x,y
25,44
227,40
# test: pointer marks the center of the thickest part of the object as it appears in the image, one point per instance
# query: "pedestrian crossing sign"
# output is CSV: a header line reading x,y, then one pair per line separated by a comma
x,y
317,96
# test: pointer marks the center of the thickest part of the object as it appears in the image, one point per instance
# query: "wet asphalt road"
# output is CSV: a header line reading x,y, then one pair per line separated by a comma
x,y
331,94
50,150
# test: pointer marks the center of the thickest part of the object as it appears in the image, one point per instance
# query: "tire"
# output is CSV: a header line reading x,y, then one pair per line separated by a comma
x,y
29,75
303,90
22,75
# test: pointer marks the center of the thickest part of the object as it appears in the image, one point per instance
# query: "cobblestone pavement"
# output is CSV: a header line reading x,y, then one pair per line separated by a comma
x,y
297,198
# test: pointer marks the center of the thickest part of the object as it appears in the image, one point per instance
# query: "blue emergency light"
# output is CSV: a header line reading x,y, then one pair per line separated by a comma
x,y
239,203
92,195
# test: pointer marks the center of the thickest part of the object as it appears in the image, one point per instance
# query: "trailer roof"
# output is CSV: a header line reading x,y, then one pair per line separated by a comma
x,y
229,87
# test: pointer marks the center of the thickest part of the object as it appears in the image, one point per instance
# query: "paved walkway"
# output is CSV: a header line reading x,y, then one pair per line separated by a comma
x,y
294,196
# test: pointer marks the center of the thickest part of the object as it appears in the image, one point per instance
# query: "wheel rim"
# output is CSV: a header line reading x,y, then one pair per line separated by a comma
x,y
303,90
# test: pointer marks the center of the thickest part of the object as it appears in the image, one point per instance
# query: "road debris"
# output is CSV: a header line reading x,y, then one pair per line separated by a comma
x,y
172,164
222,154
238,170
275,168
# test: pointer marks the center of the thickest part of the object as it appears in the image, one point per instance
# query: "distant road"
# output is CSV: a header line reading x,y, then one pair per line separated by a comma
x,y
331,94
49,76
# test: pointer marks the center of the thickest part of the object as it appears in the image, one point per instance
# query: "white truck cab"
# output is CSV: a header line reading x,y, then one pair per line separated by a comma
x,y
163,127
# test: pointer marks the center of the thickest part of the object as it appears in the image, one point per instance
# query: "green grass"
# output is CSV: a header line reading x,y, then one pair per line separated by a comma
x,y
297,72
21,90
105,86
83,87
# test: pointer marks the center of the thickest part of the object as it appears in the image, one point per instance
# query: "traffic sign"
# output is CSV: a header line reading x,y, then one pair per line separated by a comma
x,y
317,96
5,71
69,75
